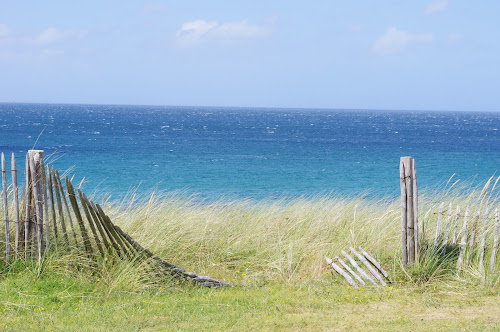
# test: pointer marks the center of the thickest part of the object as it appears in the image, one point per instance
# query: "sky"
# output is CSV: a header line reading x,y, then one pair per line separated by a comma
x,y
403,55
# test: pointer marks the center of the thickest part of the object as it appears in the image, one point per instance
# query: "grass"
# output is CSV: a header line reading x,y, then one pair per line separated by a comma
x,y
273,252
74,303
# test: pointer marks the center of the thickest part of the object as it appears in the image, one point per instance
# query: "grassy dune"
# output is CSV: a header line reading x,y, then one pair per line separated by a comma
x,y
273,252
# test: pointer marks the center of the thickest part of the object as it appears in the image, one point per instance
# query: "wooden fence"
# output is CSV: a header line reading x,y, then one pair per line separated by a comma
x,y
52,215
469,240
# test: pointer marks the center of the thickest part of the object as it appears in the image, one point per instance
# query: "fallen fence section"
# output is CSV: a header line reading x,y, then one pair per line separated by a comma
x,y
47,215
355,278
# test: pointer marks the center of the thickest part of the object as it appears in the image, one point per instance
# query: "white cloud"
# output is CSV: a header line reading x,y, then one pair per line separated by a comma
x,y
199,31
436,6
53,35
4,30
454,37
394,41
152,9
49,52
355,28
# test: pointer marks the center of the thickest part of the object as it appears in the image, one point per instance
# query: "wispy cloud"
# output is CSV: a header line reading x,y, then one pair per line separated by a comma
x,y
4,30
199,31
395,41
53,35
454,37
152,9
355,28
436,6
50,52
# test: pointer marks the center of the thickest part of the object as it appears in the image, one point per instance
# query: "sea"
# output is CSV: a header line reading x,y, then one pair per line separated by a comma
x,y
257,153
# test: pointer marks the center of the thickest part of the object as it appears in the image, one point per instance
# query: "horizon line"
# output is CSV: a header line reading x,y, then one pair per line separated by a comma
x,y
256,107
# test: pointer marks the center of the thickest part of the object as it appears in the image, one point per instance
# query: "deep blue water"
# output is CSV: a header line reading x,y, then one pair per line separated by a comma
x,y
252,152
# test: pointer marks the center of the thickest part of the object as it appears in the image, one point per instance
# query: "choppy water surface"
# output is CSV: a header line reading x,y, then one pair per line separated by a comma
x,y
252,152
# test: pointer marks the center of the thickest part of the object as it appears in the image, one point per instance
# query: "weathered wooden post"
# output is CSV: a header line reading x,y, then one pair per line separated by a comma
x,y
15,189
35,159
409,210
6,208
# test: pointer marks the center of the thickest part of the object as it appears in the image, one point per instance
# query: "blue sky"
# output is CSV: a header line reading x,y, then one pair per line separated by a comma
x,y
417,55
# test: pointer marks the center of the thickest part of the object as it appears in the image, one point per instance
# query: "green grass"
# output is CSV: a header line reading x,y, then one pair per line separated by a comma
x,y
273,252
57,302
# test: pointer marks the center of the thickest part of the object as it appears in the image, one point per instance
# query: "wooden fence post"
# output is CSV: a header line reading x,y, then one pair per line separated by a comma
x,y
409,210
15,189
6,208
35,158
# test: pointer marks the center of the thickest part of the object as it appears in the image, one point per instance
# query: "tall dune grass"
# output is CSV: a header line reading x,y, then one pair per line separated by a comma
x,y
285,240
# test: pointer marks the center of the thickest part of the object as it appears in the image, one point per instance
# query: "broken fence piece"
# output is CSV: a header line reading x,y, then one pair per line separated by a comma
x,y
367,260
358,268
369,267
374,262
339,270
345,266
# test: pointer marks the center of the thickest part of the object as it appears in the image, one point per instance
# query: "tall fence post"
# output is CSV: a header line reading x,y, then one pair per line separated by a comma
x,y
35,158
6,208
409,210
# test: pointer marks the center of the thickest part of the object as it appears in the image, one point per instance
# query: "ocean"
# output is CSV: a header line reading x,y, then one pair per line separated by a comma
x,y
257,153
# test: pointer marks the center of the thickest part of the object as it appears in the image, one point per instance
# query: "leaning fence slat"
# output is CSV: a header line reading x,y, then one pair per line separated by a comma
x,y
463,241
138,248
79,219
112,230
493,261
60,196
91,224
106,229
339,270
50,189
483,239
66,205
345,266
129,249
6,209
358,268
97,222
455,230
368,266
438,226
105,235
374,262
132,250
174,270
15,188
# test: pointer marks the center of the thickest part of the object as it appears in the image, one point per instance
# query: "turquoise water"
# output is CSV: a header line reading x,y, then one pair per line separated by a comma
x,y
252,152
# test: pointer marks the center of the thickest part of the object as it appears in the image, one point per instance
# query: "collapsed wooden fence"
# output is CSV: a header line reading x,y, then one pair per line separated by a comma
x,y
51,215
374,276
